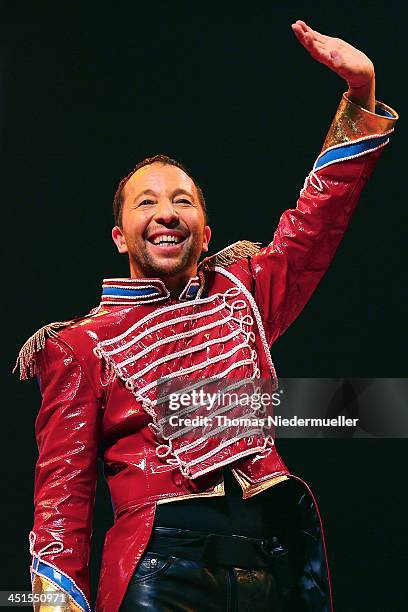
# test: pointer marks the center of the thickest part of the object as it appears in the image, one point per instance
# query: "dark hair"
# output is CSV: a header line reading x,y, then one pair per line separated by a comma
x,y
162,159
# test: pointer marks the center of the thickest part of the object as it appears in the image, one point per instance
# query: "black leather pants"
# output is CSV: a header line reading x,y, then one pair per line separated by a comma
x,y
190,571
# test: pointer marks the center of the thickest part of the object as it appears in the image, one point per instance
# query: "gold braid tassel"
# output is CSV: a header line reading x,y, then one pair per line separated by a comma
x,y
227,256
35,343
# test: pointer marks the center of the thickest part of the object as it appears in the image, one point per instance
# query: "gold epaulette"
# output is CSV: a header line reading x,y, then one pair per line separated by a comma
x,y
229,255
34,344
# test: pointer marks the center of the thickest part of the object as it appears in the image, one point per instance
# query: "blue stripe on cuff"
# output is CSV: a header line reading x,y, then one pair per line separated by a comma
x,y
349,150
64,582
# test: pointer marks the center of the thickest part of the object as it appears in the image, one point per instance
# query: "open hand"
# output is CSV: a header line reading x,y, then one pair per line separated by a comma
x,y
345,60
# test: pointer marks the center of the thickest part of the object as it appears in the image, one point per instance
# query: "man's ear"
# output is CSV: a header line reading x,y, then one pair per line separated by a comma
x,y
119,239
206,238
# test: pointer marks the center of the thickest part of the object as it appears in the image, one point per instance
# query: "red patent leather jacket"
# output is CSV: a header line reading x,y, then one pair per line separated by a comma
x,y
97,376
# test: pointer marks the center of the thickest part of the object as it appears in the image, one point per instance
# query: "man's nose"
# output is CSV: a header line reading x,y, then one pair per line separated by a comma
x,y
166,213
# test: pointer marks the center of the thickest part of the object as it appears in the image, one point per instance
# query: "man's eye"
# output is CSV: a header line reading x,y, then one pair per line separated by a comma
x,y
183,201
146,202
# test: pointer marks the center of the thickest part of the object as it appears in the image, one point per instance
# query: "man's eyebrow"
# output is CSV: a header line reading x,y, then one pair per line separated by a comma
x,y
182,191
145,192
176,192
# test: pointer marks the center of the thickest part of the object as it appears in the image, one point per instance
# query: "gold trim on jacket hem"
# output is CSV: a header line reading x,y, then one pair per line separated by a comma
x,y
218,491
249,489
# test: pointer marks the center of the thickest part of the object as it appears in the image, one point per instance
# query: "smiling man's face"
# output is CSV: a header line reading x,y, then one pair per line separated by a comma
x,y
163,224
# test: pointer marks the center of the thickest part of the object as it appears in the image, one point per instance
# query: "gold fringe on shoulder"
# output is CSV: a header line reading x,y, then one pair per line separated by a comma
x,y
35,343
227,256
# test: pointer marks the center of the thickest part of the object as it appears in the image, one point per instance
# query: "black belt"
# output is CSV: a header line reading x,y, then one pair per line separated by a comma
x,y
212,548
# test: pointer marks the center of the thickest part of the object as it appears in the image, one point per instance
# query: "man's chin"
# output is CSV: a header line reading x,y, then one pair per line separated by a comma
x,y
165,268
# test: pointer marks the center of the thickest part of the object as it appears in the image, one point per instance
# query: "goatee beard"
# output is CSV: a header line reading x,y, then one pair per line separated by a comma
x,y
155,269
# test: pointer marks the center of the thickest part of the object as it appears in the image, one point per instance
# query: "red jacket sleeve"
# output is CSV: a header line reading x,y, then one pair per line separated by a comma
x,y
67,432
287,271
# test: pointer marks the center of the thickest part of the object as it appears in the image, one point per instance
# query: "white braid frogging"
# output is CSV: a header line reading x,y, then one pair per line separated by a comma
x,y
314,180
258,319
245,323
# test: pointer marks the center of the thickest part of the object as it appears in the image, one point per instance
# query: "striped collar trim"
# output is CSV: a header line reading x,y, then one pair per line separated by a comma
x,y
143,290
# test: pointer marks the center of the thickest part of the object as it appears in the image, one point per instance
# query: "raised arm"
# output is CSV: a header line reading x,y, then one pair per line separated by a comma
x,y
287,271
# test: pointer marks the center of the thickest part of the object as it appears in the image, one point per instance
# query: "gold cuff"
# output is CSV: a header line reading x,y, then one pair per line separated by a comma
x,y
352,122
42,586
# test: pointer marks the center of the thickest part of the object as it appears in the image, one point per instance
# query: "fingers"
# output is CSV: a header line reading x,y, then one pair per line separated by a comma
x,y
304,36
313,42
301,25
301,28
301,34
307,39
318,50
315,33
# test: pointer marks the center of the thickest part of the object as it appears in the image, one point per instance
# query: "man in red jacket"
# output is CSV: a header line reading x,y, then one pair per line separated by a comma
x,y
174,320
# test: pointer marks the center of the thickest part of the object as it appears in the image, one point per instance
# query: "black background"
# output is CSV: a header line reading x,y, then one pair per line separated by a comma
x,y
89,89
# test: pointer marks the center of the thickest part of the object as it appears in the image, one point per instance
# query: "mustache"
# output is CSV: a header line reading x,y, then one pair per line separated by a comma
x,y
178,231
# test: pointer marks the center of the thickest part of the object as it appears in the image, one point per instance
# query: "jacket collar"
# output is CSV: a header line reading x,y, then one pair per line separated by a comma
x,y
144,290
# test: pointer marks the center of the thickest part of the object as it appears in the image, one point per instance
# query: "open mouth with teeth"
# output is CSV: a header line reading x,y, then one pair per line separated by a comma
x,y
166,241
